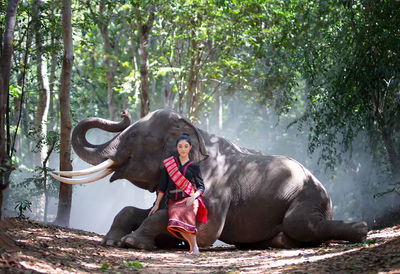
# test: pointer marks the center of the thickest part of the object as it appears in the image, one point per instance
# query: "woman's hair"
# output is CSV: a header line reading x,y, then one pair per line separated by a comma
x,y
185,137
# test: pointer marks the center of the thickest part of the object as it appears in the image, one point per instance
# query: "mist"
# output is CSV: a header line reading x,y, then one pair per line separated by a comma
x,y
95,205
351,184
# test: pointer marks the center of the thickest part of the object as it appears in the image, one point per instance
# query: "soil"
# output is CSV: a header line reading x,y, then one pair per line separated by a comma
x,y
33,247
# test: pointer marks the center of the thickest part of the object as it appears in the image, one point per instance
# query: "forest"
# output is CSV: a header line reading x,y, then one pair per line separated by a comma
x,y
314,80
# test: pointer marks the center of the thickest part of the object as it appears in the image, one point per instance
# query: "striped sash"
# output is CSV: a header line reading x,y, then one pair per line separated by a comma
x,y
185,185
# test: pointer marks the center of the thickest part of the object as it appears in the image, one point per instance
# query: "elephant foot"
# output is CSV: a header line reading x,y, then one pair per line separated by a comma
x,y
127,220
133,241
113,237
109,242
355,232
283,241
359,231
279,241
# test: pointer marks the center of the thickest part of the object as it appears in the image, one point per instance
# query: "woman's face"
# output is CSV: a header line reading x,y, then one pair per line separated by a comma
x,y
183,148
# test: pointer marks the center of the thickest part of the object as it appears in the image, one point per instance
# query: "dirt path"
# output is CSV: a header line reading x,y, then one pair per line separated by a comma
x,y
51,249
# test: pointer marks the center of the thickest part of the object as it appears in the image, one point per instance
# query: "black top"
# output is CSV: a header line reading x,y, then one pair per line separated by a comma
x,y
193,174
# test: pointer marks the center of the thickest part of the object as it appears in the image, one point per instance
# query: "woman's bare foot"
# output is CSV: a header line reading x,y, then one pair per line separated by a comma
x,y
195,252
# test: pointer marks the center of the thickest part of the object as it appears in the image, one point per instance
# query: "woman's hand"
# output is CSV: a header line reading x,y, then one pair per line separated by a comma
x,y
190,201
192,198
160,195
153,210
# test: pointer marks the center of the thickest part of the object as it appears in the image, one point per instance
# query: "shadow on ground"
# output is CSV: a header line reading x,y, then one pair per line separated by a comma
x,y
40,248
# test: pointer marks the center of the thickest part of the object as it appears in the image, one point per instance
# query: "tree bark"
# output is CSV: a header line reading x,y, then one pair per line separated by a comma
x,y
65,196
19,101
46,190
167,91
5,71
43,87
144,32
193,83
393,154
53,108
110,66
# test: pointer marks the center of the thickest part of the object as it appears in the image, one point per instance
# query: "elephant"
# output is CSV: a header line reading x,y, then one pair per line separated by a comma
x,y
254,200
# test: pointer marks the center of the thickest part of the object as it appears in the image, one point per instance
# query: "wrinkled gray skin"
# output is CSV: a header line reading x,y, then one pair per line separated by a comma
x,y
253,200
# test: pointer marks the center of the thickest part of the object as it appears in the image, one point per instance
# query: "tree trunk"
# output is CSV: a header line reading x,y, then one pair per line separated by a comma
x,y
134,59
193,83
108,63
65,197
135,91
181,96
167,91
19,101
218,107
53,109
393,154
46,190
5,71
43,87
144,31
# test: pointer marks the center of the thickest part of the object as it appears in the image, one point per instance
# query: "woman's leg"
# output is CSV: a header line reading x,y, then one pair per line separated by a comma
x,y
191,239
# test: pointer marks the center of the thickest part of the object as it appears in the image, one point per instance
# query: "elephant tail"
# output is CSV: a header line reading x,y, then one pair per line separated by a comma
x,y
95,154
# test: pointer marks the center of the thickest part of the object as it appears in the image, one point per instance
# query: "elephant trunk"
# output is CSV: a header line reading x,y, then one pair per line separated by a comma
x,y
95,154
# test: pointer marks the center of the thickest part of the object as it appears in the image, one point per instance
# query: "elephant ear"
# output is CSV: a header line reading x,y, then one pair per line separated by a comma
x,y
177,127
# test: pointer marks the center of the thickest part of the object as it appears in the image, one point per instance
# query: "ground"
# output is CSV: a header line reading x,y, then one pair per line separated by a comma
x,y
41,248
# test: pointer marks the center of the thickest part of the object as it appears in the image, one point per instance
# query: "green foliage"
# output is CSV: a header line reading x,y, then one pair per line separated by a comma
x,y
104,267
225,39
396,188
348,56
130,265
133,265
32,183
22,207
39,183
365,243
52,139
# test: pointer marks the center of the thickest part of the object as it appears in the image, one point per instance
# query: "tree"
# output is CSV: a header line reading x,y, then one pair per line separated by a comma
x,y
344,56
43,85
110,57
5,67
354,86
144,30
65,197
207,46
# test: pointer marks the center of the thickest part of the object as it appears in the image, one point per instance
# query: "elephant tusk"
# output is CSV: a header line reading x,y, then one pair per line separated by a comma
x,y
87,171
82,181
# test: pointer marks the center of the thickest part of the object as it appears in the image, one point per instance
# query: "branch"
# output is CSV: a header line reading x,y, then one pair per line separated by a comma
x,y
48,154
22,91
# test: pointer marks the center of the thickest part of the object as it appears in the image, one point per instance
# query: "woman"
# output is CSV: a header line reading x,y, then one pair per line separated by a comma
x,y
184,199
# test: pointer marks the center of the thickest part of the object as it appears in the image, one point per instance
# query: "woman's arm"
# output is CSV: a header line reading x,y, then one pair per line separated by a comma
x,y
199,184
161,189
160,195
198,178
